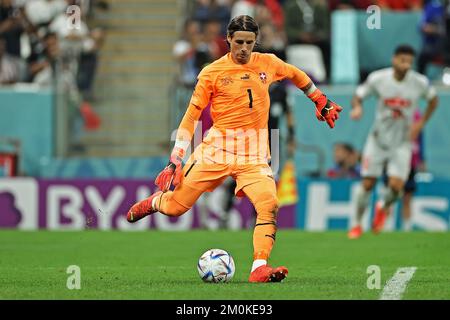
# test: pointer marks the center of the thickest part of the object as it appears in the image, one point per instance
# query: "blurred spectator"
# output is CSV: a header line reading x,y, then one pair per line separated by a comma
x,y
191,53
350,4
41,12
354,163
400,5
88,65
217,44
243,7
43,63
308,22
346,160
217,10
274,14
73,40
263,11
80,45
10,69
10,27
49,68
433,29
271,41
56,54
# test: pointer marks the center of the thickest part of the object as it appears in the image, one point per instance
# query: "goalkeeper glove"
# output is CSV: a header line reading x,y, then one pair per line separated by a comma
x,y
326,110
172,172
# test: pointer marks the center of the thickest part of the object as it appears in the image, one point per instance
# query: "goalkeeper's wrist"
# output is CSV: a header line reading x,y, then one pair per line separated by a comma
x,y
179,150
315,95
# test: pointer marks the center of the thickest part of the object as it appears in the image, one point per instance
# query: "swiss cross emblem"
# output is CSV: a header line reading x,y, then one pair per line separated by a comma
x,y
263,77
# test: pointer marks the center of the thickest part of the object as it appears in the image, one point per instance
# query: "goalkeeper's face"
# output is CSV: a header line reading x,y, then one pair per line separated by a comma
x,y
241,46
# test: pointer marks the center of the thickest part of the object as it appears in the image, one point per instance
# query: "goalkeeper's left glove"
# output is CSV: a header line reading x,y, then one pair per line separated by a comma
x,y
172,172
326,110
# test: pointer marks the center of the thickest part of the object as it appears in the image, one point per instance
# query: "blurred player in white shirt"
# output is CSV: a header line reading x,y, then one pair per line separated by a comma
x,y
389,142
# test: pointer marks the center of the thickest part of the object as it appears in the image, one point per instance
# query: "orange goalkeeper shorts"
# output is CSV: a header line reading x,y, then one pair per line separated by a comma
x,y
206,169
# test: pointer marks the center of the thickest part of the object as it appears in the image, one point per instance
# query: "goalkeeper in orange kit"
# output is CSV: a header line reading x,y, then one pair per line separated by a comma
x,y
237,86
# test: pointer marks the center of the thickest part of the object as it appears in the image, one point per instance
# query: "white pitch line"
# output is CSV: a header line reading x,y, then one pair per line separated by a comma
x,y
395,287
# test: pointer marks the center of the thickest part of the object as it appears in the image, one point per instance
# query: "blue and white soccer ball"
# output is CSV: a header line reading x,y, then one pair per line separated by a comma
x,y
216,265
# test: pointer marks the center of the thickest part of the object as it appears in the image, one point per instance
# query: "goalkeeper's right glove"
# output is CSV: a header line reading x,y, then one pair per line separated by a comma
x,y
172,173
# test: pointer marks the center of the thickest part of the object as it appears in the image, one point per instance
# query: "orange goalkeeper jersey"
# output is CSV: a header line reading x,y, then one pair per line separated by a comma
x,y
239,95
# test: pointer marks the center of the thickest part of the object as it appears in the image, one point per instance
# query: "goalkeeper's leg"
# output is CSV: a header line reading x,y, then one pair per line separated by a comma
x,y
171,203
261,191
197,179
175,203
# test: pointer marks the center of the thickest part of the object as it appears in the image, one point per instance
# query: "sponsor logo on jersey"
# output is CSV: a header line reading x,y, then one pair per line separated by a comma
x,y
226,81
397,102
246,77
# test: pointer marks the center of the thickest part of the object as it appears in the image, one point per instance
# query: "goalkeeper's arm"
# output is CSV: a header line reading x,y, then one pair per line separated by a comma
x,y
172,172
326,110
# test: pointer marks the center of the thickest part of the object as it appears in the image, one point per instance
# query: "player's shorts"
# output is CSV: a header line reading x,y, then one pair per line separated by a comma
x,y
206,173
375,157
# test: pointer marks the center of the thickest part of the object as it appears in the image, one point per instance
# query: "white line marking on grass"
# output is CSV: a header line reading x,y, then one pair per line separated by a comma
x,y
395,287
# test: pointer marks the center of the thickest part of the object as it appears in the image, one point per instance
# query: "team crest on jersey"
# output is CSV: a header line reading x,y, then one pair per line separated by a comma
x,y
263,77
226,81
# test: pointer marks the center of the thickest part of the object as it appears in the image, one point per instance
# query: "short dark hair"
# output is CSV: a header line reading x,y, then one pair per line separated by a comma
x,y
242,23
345,145
405,49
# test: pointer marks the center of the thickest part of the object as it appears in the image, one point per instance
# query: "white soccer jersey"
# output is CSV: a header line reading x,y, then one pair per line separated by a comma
x,y
397,101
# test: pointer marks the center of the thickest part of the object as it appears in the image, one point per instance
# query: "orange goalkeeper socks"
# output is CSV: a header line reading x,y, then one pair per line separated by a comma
x,y
263,239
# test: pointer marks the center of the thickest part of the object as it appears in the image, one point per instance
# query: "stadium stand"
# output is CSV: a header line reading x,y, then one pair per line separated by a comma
x,y
134,74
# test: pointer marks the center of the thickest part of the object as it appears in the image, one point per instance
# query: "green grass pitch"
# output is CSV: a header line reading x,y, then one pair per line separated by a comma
x,y
162,265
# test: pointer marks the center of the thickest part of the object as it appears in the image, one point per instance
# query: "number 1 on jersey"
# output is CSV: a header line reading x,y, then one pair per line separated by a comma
x,y
250,97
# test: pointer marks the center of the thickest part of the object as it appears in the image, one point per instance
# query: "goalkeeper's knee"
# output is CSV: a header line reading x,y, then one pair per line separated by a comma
x,y
176,210
169,206
266,206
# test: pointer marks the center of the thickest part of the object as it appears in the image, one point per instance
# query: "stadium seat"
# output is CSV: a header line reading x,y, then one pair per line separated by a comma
x,y
308,58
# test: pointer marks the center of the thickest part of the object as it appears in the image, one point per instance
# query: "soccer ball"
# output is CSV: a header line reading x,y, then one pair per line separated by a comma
x,y
216,265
